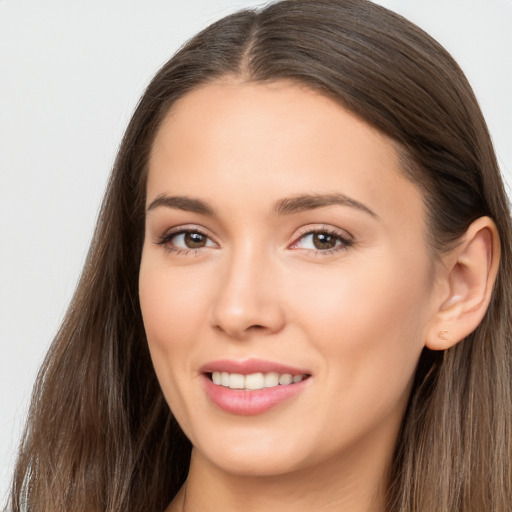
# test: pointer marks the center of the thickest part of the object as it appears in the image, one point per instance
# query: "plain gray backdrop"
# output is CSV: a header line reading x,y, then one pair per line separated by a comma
x,y
71,72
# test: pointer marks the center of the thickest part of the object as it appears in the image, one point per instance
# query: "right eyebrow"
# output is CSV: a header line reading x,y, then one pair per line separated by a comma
x,y
181,203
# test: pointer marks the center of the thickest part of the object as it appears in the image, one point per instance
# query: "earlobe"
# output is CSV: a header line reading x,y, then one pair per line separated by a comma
x,y
471,272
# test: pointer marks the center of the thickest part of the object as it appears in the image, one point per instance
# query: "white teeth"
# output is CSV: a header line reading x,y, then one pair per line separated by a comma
x,y
271,379
236,381
285,379
254,381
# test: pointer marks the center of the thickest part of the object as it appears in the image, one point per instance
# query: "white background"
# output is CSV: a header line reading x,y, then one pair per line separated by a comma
x,y
71,72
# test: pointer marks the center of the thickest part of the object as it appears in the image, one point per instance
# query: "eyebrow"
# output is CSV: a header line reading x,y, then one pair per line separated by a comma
x,y
286,206
302,203
187,204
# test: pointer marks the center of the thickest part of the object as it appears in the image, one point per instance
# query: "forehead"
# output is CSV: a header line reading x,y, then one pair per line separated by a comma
x,y
242,143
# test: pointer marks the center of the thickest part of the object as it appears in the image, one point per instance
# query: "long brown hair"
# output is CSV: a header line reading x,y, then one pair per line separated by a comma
x,y
100,435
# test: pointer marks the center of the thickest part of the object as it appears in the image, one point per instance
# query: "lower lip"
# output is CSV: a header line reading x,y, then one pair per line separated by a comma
x,y
249,403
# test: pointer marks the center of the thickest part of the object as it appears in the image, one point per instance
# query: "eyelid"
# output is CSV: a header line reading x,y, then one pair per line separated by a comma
x,y
323,228
342,235
346,238
168,234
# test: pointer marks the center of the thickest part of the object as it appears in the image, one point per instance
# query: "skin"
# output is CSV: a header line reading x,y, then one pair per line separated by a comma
x,y
356,316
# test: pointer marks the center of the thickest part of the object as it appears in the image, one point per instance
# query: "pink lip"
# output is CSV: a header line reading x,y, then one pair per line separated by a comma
x,y
248,403
249,366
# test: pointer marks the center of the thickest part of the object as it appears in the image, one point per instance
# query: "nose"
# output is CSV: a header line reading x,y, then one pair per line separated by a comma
x,y
248,301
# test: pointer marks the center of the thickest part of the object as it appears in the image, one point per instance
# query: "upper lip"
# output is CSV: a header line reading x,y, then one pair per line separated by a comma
x,y
248,366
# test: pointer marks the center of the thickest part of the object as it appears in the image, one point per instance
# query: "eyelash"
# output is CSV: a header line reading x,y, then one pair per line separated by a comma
x,y
165,241
345,242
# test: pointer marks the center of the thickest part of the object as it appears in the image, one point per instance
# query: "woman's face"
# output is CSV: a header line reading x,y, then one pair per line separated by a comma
x,y
283,243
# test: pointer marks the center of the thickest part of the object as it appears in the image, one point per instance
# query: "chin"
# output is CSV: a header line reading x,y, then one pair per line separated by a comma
x,y
252,455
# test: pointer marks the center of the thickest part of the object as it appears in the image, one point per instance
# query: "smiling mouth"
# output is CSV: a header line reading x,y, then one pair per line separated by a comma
x,y
254,381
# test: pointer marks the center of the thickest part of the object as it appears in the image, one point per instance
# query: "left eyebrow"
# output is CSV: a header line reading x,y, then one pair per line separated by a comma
x,y
302,203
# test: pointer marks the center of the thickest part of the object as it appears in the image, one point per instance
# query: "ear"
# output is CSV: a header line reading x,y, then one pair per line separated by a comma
x,y
465,286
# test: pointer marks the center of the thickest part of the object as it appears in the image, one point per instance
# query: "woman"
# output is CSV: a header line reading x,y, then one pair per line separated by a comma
x,y
304,253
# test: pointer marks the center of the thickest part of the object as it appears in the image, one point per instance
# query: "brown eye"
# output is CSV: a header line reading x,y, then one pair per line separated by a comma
x,y
323,241
185,240
194,240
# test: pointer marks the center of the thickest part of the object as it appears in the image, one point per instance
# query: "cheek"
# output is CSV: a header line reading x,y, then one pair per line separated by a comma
x,y
171,306
386,297
172,299
368,323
